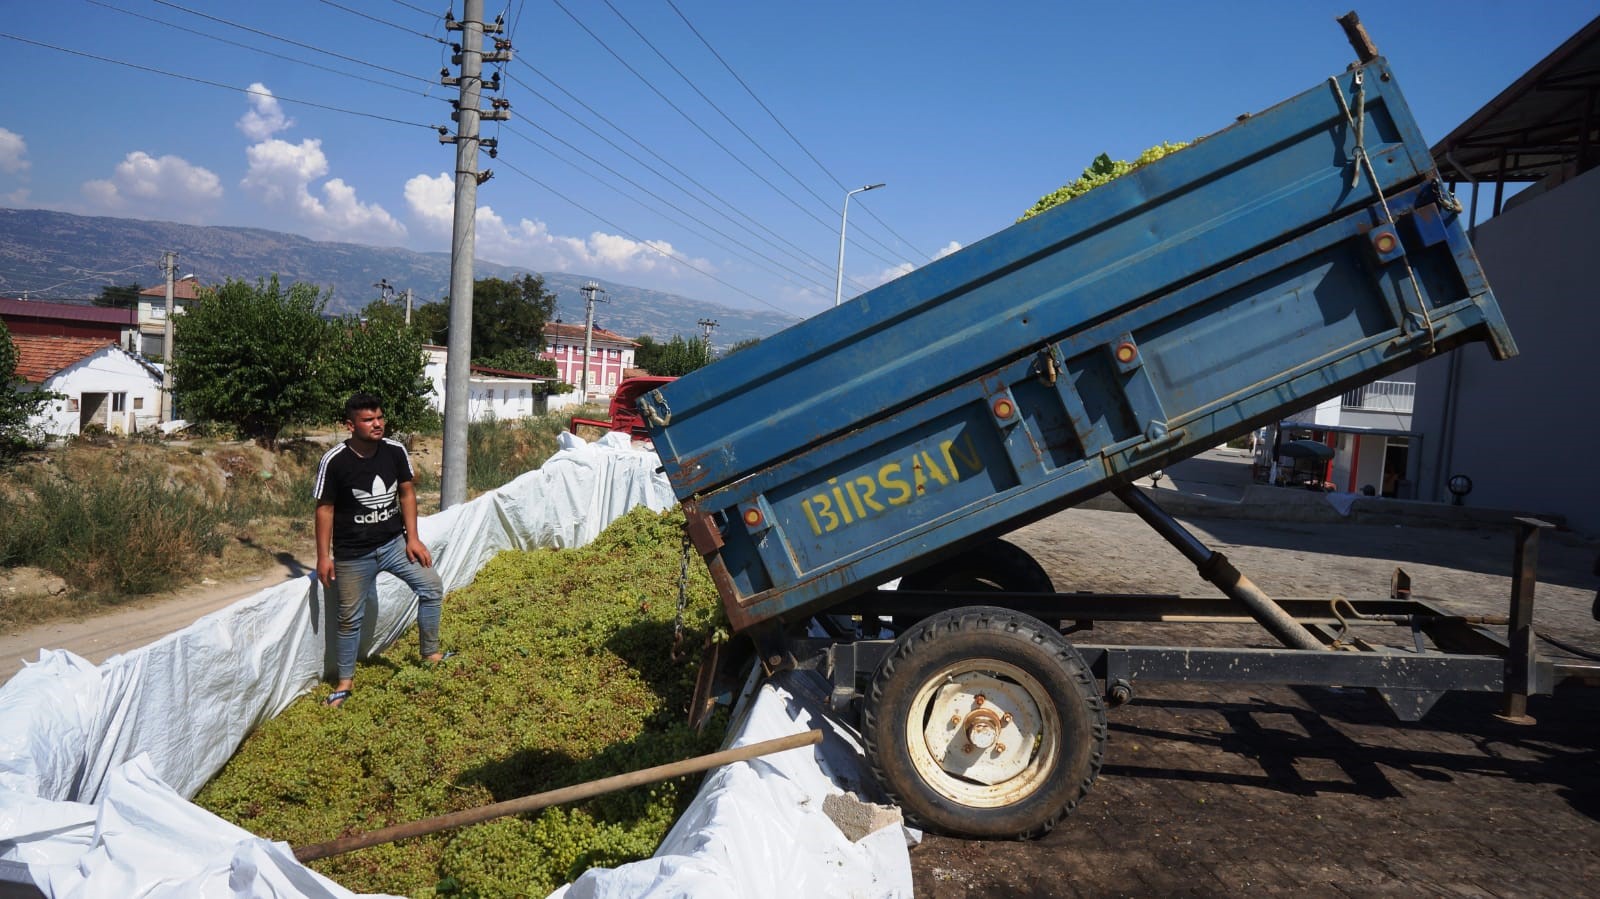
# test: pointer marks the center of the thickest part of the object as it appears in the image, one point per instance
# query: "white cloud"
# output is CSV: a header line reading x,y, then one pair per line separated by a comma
x,y
433,200
280,176
13,152
17,198
156,187
905,268
265,117
530,243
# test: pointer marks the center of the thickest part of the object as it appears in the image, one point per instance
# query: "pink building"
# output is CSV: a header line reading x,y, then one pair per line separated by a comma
x,y
610,355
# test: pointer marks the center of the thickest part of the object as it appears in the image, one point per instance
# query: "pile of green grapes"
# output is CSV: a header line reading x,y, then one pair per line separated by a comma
x,y
563,673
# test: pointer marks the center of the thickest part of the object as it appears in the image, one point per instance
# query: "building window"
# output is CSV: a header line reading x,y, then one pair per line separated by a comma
x,y
491,394
138,403
611,379
119,402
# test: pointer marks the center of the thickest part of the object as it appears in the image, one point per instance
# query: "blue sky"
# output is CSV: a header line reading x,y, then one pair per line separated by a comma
x,y
617,166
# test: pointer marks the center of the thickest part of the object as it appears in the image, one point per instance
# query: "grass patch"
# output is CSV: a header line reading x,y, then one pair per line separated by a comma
x,y
120,518
499,451
563,675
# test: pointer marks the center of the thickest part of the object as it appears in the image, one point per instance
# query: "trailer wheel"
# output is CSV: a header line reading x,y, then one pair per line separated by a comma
x,y
984,722
996,565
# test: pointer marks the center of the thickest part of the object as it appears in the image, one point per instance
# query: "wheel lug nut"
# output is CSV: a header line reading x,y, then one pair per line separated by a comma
x,y
955,720
999,748
979,700
1006,718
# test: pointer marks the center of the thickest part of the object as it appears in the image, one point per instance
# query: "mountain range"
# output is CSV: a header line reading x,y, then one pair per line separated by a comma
x,y
58,256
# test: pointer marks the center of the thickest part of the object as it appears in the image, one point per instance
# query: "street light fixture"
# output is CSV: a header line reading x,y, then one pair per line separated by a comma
x,y
838,284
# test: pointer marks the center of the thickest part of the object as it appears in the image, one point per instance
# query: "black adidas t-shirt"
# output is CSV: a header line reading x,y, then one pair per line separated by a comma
x,y
365,494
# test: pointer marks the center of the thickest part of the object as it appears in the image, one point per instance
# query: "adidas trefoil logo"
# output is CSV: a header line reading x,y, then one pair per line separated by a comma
x,y
380,500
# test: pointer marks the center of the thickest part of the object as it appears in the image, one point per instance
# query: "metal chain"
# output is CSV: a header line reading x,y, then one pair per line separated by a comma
x,y
683,602
1357,121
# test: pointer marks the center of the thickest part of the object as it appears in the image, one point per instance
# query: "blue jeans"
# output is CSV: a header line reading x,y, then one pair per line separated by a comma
x,y
354,579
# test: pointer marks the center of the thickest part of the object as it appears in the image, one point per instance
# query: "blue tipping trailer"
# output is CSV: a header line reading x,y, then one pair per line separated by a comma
x,y
1253,274
1299,253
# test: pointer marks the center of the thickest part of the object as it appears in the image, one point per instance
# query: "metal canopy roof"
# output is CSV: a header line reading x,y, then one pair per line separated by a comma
x,y
1548,118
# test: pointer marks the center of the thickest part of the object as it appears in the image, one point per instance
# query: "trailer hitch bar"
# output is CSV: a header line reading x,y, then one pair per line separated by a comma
x,y
1215,568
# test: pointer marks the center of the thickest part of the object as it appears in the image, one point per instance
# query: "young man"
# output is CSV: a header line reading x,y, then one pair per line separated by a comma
x,y
366,522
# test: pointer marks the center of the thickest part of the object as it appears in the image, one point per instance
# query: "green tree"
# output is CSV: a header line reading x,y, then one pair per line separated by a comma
x,y
249,355
18,405
1103,170
675,358
745,344
125,297
646,354
382,358
506,315
526,361
431,322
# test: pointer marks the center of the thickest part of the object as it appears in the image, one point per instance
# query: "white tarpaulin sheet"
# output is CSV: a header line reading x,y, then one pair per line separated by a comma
x,y
95,760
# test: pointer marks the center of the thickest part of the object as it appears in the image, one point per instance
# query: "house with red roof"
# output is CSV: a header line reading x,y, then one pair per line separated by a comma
x,y
48,319
152,313
98,382
610,356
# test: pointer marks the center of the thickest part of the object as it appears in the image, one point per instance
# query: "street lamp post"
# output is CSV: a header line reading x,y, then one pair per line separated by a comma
x,y
838,284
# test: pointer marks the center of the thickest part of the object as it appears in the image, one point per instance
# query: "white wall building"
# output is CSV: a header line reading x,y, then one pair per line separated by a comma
x,y
101,384
153,313
493,393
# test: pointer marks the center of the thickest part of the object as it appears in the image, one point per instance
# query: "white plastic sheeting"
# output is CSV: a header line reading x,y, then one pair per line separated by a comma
x,y
757,828
95,760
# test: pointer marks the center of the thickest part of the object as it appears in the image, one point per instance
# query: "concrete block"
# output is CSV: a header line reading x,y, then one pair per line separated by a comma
x,y
856,818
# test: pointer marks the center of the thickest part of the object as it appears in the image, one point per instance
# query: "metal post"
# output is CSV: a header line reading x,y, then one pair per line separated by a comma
x,y
588,290
458,366
838,281
1521,678
169,266
1214,567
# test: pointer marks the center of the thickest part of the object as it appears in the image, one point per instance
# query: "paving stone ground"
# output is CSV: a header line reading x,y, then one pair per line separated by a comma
x,y
1211,790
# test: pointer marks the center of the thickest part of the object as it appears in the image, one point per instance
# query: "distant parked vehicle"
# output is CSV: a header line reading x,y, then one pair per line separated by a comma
x,y
623,412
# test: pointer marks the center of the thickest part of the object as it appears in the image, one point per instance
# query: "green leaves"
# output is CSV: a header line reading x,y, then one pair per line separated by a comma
x,y
263,359
1103,170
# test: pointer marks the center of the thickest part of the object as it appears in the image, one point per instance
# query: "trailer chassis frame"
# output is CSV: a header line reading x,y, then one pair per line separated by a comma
x,y
1467,653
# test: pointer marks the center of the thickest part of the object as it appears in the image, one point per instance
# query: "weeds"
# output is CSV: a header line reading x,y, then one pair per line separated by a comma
x,y
122,517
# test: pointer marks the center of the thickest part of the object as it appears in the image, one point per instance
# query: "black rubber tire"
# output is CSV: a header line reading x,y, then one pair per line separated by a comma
x,y
996,565
980,641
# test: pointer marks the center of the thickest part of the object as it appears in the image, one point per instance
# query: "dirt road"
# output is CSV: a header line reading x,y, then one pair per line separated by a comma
x,y
136,624
1247,790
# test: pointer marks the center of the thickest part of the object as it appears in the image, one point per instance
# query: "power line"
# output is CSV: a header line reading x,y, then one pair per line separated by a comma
x,y
735,125
242,90
642,189
283,56
417,8
796,254
780,124
303,46
795,251
690,119
644,243
382,21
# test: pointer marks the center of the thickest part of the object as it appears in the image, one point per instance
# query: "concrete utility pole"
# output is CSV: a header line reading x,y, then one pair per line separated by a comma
x,y
169,268
470,57
408,307
588,290
706,324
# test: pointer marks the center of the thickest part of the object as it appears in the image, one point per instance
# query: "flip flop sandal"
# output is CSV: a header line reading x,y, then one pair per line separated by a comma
x,y
336,698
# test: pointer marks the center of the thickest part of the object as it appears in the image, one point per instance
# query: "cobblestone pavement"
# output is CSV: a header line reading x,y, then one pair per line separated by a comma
x,y
1212,790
